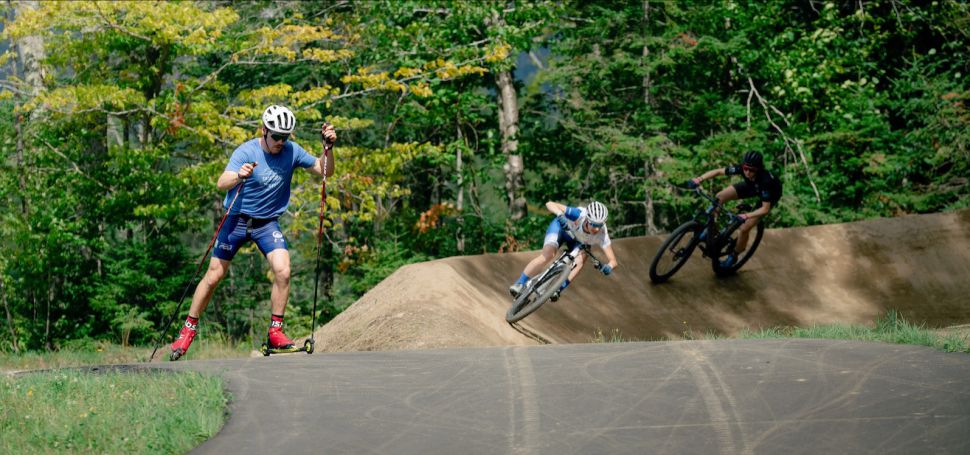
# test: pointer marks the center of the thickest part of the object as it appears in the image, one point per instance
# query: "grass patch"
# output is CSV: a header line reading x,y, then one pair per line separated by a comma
x,y
101,353
76,411
891,328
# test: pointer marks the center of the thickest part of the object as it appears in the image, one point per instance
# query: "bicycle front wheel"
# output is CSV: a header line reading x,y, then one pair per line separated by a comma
x,y
534,296
675,251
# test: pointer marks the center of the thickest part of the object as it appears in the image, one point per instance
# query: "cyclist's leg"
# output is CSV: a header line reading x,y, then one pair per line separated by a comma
x,y
570,244
541,261
730,193
580,261
550,244
739,190
744,231
743,235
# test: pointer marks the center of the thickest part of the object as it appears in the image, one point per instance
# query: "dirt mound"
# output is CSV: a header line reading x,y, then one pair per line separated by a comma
x,y
848,273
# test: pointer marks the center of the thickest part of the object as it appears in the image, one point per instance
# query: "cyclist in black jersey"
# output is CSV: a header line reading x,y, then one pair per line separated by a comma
x,y
757,182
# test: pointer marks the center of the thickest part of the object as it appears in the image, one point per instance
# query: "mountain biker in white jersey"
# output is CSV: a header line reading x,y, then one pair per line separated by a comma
x,y
589,224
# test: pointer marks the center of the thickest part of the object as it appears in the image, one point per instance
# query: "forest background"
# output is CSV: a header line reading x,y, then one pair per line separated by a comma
x,y
457,121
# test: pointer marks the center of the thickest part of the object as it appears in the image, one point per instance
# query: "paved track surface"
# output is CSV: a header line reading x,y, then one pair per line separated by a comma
x,y
681,397
450,376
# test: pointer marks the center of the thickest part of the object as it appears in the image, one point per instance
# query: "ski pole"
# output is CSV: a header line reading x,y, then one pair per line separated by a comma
x,y
195,277
327,147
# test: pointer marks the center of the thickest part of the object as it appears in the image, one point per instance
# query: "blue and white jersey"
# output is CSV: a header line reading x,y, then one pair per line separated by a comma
x,y
576,217
266,193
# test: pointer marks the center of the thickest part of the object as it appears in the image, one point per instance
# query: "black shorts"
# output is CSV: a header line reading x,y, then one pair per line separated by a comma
x,y
747,190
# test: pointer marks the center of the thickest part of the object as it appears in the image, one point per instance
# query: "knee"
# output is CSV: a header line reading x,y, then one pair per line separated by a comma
x,y
214,275
283,275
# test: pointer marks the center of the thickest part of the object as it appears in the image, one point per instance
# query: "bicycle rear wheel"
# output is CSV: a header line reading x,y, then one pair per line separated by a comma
x,y
534,296
674,251
727,248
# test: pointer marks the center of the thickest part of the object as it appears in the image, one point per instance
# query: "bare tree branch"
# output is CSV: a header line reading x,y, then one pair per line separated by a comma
x,y
789,142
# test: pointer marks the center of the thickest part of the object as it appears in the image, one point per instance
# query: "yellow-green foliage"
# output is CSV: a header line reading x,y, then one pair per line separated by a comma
x,y
71,99
161,22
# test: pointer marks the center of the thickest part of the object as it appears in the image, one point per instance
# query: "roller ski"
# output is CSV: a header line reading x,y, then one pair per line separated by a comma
x,y
267,351
278,343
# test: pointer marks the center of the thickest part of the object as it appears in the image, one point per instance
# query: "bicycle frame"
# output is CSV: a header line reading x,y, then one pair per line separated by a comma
x,y
707,232
709,219
572,255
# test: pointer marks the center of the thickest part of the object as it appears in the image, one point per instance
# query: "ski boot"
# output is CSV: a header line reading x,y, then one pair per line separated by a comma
x,y
182,343
278,340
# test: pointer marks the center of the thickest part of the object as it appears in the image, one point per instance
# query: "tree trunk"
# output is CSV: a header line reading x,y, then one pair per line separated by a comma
x,y
646,54
508,119
649,168
115,135
30,52
460,197
22,173
47,322
650,214
6,307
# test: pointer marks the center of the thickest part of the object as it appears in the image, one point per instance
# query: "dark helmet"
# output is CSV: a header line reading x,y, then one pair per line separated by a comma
x,y
753,159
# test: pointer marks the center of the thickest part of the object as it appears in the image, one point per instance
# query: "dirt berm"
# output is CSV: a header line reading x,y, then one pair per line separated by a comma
x,y
848,273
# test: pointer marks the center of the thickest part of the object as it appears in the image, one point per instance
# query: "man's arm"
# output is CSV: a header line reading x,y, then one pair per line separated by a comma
x,y
229,179
317,167
556,208
762,211
608,249
709,174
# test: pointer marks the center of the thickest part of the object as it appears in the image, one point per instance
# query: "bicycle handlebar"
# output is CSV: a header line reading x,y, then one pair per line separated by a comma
x,y
717,205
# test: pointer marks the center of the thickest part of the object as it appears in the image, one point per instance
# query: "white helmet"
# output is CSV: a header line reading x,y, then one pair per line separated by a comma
x,y
596,213
279,119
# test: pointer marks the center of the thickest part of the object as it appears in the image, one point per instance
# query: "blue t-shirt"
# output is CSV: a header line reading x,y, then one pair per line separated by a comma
x,y
266,193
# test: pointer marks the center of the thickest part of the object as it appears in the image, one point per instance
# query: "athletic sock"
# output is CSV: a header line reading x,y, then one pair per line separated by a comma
x,y
564,284
276,320
192,323
522,279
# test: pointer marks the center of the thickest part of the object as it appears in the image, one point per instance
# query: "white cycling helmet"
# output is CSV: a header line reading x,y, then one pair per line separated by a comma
x,y
279,119
596,213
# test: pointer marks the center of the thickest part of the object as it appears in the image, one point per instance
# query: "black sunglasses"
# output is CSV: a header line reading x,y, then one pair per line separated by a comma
x,y
279,137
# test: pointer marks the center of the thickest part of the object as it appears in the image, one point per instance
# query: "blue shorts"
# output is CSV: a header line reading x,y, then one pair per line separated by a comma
x,y
238,229
557,235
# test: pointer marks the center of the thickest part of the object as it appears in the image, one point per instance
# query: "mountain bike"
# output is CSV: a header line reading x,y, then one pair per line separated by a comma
x,y
540,288
715,231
